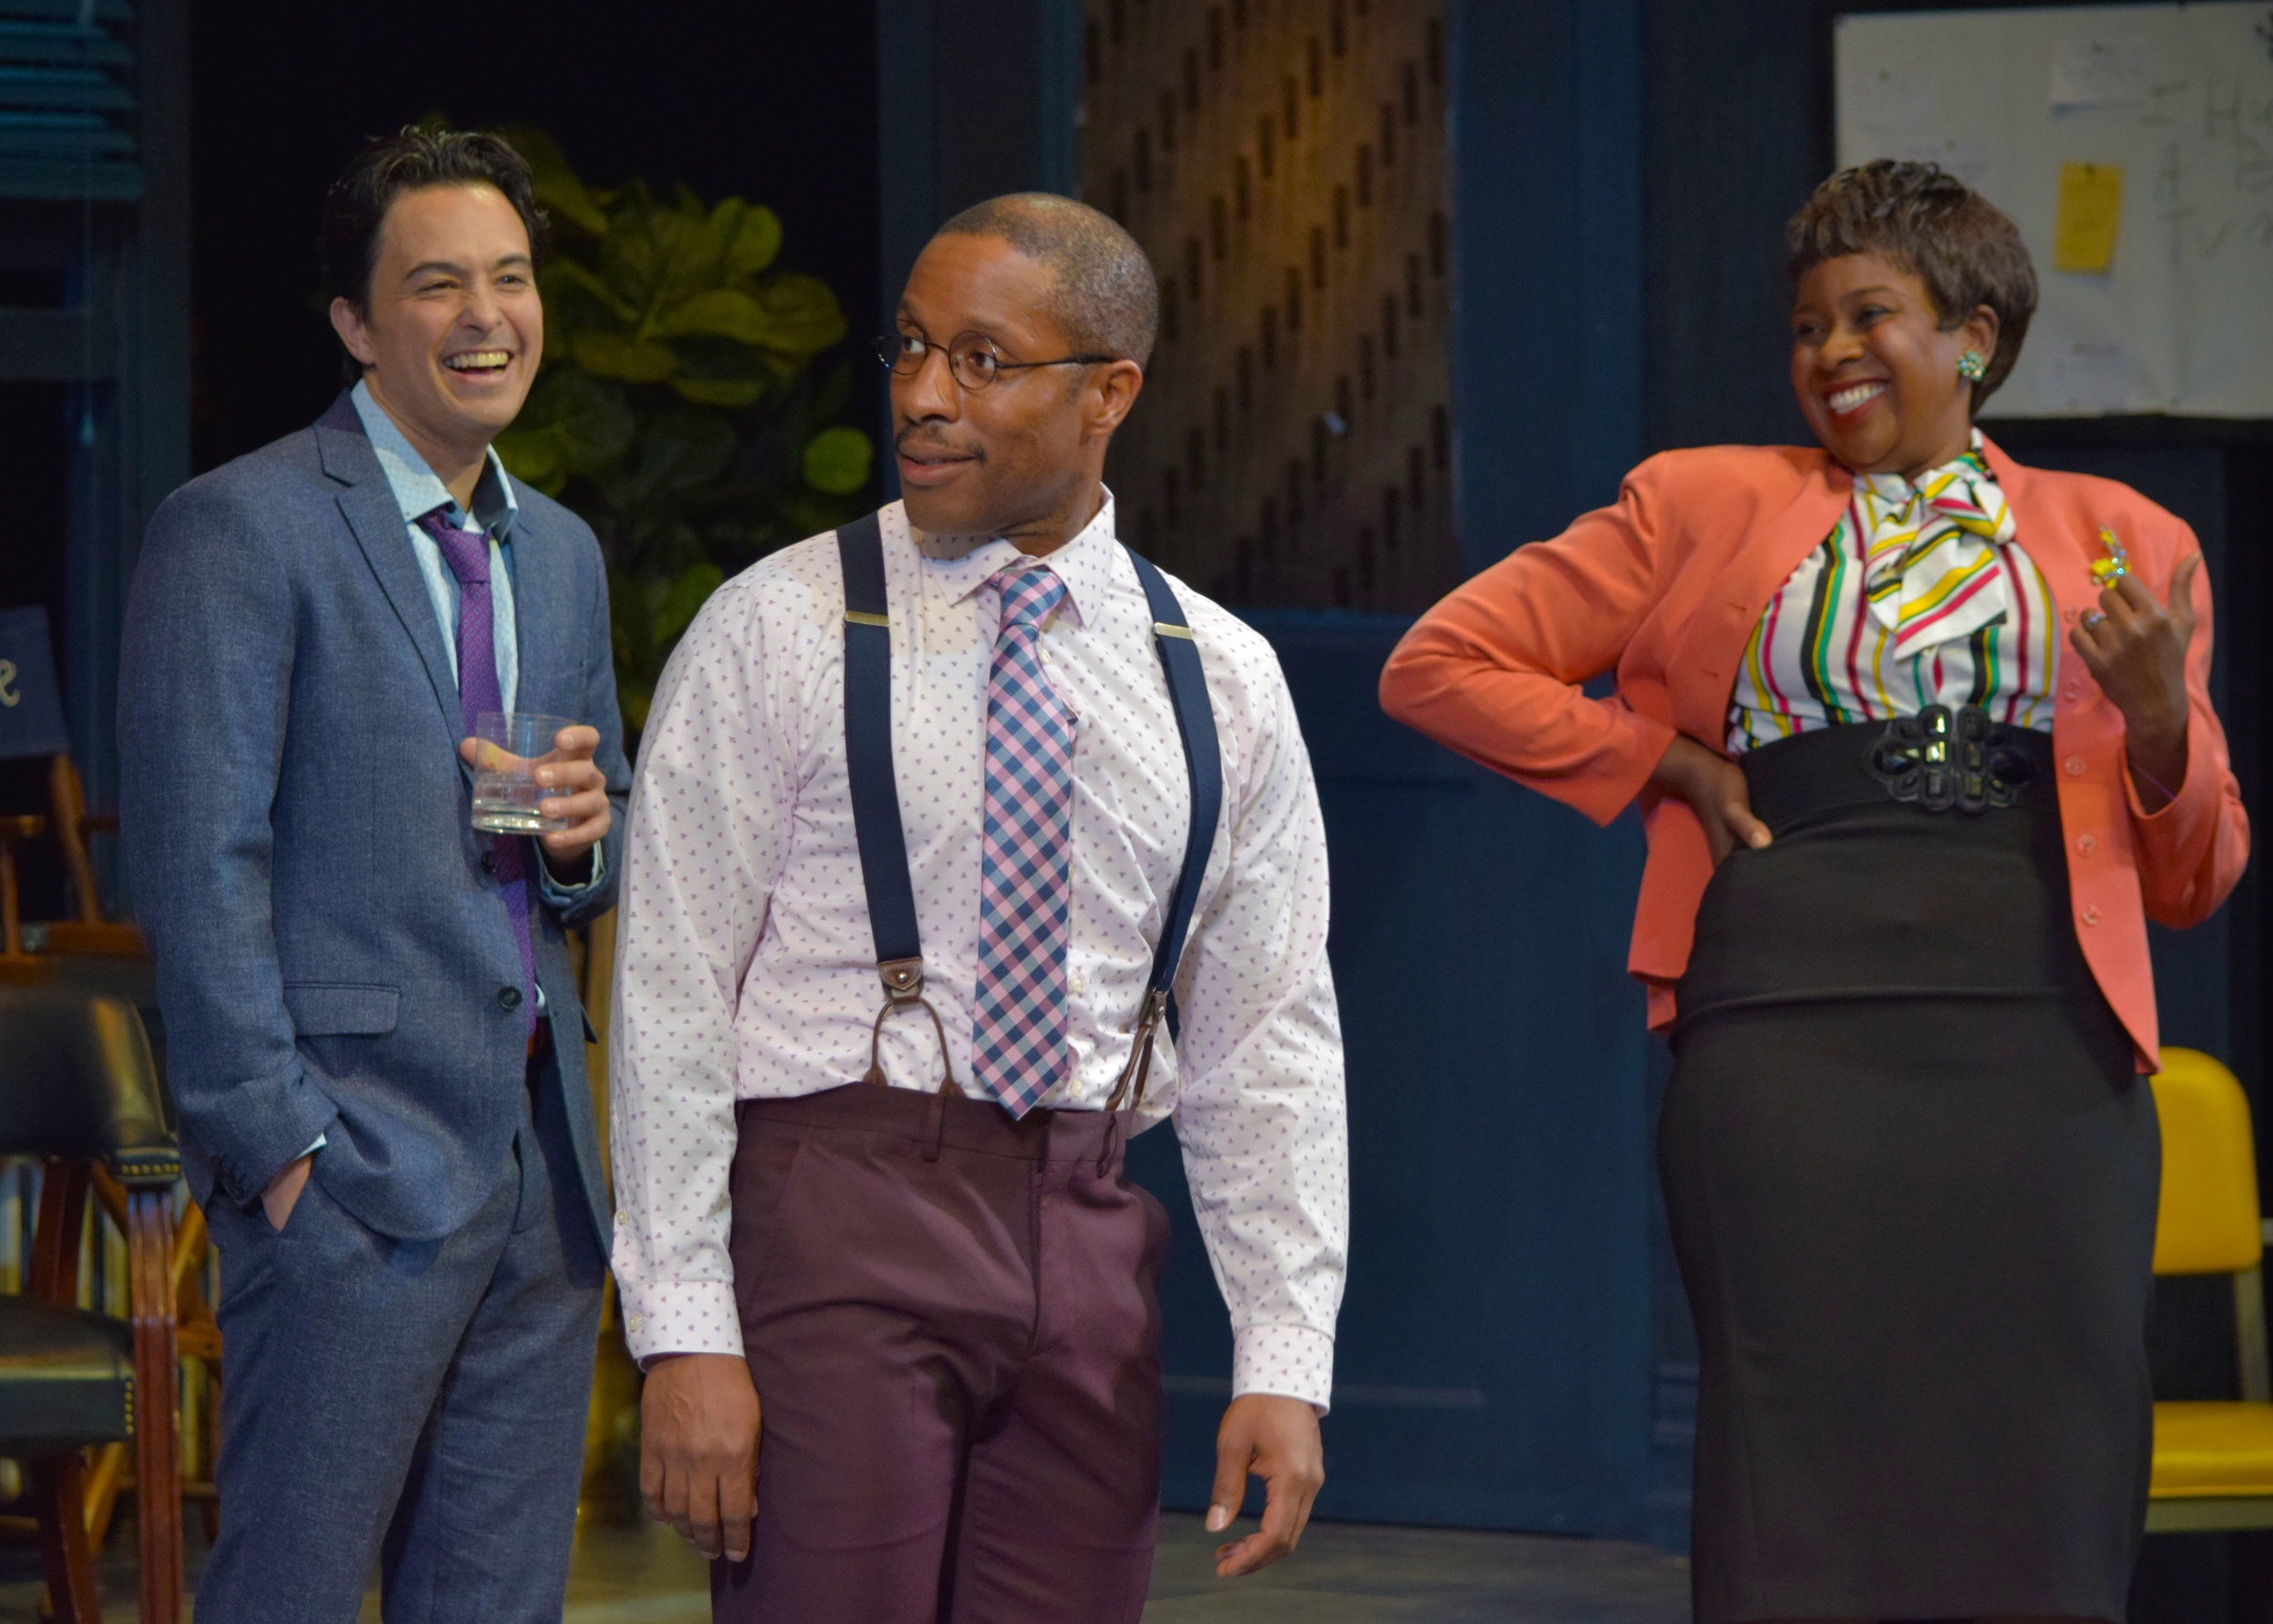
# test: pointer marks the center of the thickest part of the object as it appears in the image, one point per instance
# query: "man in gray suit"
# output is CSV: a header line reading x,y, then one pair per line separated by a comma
x,y
376,1044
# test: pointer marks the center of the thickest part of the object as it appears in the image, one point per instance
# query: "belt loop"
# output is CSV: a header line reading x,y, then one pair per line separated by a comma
x,y
1111,1140
935,1124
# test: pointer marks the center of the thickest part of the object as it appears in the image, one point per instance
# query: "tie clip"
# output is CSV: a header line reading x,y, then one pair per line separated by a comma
x,y
1161,628
860,617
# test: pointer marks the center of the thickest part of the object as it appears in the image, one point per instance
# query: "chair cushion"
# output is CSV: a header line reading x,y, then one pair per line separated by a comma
x,y
66,1379
2212,1450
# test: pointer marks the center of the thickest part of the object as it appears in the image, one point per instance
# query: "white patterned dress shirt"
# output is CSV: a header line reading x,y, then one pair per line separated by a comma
x,y
746,965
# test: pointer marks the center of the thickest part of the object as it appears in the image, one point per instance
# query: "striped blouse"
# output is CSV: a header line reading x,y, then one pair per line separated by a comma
x,y
1820,658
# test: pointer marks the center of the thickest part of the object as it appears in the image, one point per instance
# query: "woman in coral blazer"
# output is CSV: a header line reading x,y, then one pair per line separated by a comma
x,y
1921,738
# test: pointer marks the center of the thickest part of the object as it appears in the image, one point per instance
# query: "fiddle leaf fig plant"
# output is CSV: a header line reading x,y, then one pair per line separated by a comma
x,y
685,409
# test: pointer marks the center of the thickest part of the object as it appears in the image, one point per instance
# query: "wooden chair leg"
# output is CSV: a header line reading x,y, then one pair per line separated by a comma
x,y
59,1494
157,1410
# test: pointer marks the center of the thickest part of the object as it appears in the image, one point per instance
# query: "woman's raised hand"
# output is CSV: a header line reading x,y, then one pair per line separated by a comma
x,y
1715,788
2136,650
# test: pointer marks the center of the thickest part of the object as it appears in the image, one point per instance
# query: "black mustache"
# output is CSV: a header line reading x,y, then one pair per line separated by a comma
x,y
914,439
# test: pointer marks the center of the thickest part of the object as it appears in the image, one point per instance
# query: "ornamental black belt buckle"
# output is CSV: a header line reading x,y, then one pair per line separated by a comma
x,y
1943,759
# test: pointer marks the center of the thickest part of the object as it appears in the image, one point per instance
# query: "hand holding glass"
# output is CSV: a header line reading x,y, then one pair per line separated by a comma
x,y
508,749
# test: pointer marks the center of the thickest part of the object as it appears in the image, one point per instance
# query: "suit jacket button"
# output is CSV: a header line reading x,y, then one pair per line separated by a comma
x,y
2087,844
2091,916
509,997
2074,767
489,862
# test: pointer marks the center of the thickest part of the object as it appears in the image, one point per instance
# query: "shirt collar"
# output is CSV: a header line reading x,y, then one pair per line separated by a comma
x,y
418,491
953,569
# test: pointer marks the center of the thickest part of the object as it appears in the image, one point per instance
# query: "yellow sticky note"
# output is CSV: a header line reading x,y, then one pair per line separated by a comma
x,y
2091,208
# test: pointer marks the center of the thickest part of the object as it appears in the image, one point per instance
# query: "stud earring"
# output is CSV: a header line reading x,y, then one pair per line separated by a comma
x,y
1971,365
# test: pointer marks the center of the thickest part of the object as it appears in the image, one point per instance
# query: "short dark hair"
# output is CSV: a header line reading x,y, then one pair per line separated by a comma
x,y
1956,241
1105,297
413,157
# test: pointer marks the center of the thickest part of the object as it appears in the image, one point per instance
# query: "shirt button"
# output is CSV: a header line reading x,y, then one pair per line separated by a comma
x,y
2091,916
2075,765
2087,844
636,1323
509,997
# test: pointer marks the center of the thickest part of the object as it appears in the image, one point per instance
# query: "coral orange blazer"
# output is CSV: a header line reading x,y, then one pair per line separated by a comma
x,y
1665,588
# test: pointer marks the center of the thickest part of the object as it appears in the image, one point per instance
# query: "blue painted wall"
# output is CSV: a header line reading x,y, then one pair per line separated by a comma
x,y
1493,1363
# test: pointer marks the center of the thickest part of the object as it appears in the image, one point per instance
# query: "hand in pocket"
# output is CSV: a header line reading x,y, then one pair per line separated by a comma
x,y
283,1193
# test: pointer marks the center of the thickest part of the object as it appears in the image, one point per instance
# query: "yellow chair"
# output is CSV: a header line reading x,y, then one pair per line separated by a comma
x,y
2213,1461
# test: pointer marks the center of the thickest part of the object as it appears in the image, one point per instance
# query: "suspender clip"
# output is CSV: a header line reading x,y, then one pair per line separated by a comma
x,y
1130,1088
903,981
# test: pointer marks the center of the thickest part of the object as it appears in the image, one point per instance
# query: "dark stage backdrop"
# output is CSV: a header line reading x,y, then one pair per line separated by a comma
x,y
770,100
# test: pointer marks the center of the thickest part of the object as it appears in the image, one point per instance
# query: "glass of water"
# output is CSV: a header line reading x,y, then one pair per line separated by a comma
x,y
509,746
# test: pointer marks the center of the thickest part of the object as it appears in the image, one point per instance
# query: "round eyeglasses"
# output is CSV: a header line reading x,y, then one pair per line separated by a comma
x,y
972,359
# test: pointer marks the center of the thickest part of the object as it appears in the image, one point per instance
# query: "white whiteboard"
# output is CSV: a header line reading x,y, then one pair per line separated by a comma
x,y
2181,98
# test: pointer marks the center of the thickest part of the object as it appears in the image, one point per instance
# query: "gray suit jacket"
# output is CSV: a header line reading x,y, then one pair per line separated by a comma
x,y
333,956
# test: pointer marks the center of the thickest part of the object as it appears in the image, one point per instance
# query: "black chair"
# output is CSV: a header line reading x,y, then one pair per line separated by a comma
x,y
77,1089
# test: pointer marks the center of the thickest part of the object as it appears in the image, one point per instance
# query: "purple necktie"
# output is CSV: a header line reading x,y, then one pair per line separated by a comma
x,y
467,552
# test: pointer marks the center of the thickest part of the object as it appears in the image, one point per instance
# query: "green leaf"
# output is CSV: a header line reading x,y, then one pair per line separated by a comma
x,y
719,312
718,372
574,423
680,450
656,257
591,415
533,457
635,699
567,283
837,460
633,360
803,317
733,394
559,189
752,236
685,597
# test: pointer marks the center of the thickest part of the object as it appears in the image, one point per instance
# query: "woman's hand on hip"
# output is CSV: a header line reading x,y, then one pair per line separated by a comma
x,y
1714,789
2136,650
698,1431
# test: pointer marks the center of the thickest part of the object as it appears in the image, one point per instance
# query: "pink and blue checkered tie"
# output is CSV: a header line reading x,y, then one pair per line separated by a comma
x,y
1020,1050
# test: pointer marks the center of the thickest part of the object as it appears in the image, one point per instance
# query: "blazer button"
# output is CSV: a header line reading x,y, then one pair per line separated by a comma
x,y
2074,690
2087,844
2075,765
2091,916
509,997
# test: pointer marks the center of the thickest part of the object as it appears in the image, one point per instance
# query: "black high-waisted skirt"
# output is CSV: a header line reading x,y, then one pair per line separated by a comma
x,y
1912,1179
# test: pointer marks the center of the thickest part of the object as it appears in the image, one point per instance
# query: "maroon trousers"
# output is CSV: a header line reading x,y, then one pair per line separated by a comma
x,y
953,1323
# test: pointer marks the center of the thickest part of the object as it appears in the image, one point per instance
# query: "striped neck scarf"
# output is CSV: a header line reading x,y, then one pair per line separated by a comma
x,y
1929,547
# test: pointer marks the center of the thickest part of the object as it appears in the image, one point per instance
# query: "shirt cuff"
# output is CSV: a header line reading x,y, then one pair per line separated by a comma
x,y
680,1317
317,1144
2186,788
1292,1362
566,895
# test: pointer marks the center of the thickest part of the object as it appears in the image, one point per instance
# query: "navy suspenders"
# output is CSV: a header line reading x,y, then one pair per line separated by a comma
x,y
876,803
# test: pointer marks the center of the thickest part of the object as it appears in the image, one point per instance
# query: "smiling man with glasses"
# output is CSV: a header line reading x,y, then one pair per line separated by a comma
x,y
965,845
